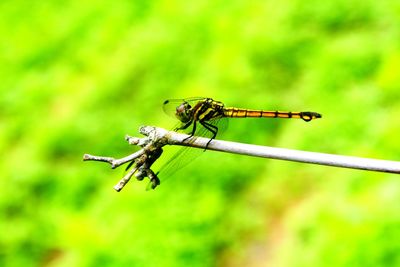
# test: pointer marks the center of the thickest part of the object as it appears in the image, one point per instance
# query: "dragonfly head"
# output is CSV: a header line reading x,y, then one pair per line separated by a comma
x,y
184,112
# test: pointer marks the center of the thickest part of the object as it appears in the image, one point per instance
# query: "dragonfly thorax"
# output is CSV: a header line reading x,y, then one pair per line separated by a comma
x,y
184,112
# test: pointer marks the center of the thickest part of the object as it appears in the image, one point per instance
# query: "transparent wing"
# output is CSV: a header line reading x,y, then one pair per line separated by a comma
x,y
178,161
186,155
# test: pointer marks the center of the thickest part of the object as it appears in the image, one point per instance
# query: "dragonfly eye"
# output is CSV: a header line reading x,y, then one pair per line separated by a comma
x,y
183,112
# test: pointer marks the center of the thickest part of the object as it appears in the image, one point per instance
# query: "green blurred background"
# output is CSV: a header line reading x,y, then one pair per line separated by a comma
x,y
76,76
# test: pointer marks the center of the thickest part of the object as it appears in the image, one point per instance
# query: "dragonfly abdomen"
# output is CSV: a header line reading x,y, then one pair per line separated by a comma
x,y
250,113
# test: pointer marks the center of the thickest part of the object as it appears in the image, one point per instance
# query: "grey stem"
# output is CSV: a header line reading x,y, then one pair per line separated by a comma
x,y
286,154
156,138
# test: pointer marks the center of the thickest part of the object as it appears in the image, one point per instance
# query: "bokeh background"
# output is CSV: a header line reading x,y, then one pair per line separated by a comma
x,y
76,76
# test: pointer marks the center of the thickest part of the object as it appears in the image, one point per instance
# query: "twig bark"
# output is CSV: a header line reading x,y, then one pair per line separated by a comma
x,y
158,137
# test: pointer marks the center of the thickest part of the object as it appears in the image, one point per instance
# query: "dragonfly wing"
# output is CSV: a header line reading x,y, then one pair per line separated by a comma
x,y
186,155
179,160
220,123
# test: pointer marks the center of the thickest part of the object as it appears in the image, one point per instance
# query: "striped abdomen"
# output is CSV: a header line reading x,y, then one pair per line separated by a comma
x,y
249,113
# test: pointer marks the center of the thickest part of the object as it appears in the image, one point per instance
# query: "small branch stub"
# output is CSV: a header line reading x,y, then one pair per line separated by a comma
x,y
141,160
156,138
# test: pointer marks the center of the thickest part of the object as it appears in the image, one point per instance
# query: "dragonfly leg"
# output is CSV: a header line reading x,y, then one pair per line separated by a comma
x,y
192,133
211,128
184,126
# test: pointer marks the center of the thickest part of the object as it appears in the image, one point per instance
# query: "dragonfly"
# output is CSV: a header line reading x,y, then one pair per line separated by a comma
x,y
207,112
204,116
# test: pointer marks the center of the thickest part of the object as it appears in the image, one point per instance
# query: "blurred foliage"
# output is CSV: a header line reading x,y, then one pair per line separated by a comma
x,y
77,76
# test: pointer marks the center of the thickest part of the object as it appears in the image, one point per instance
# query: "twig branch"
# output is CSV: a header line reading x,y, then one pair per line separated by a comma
x,y
158,137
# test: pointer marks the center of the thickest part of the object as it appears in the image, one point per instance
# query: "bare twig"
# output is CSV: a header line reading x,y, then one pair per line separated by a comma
x,y
142,159
118,187
158,137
